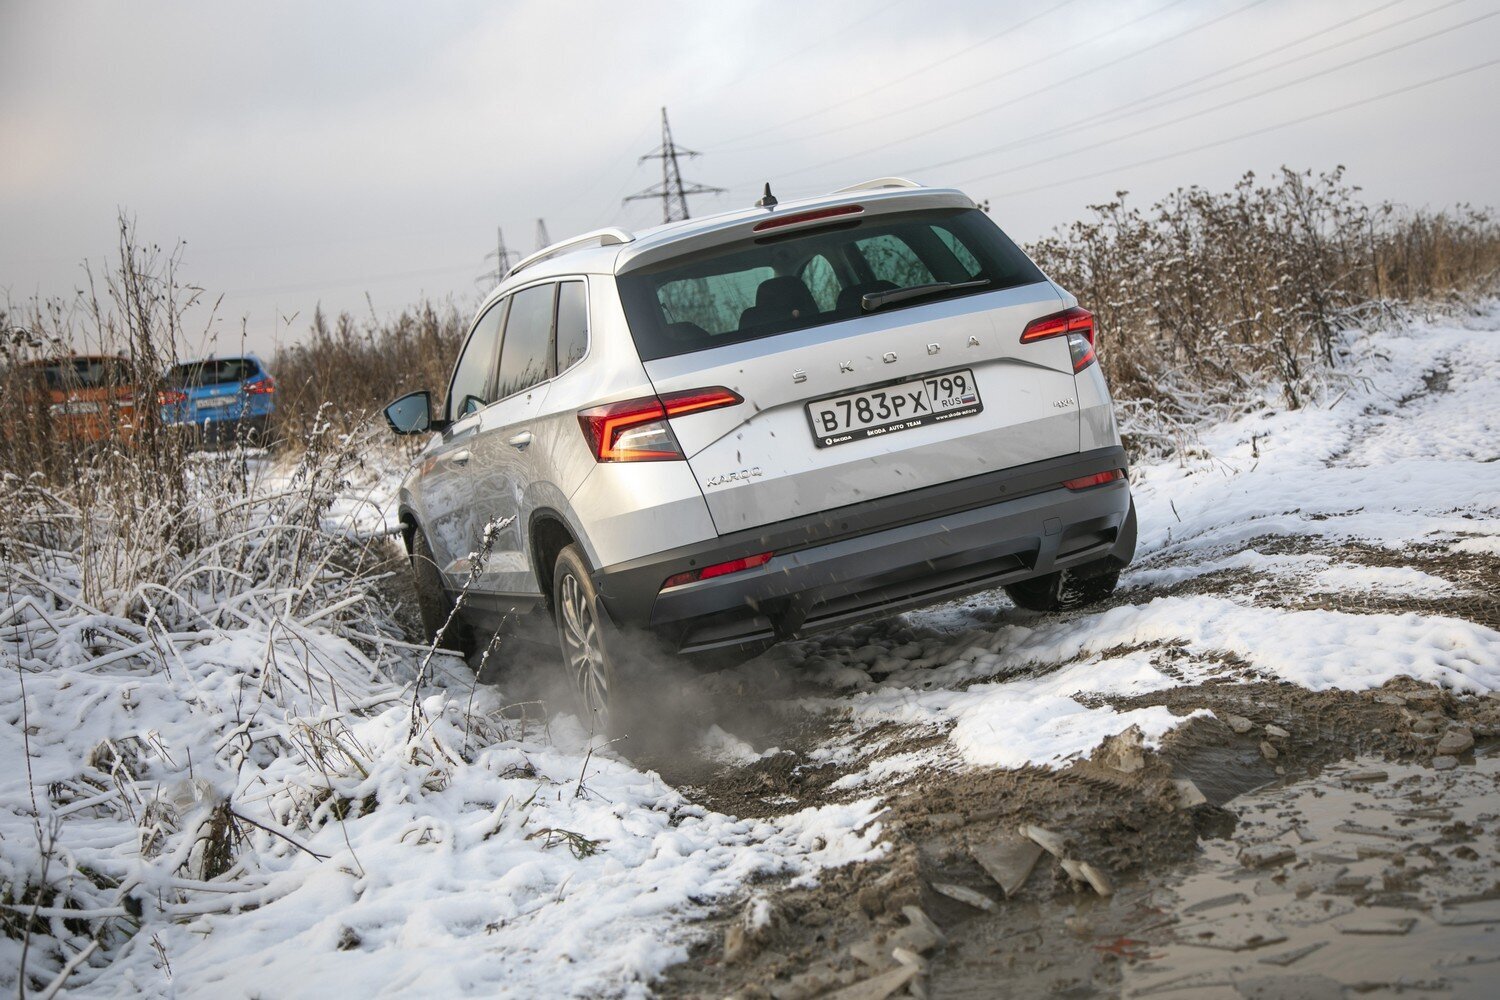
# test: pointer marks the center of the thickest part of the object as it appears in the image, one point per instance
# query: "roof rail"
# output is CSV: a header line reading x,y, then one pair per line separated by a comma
x,y
878,183
607,237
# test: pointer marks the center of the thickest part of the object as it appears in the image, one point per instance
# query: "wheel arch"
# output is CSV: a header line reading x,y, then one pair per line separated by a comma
x,y
409,526
548,534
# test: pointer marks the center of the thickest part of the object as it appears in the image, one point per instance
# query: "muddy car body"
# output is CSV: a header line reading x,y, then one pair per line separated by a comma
x,y
741,429
83,398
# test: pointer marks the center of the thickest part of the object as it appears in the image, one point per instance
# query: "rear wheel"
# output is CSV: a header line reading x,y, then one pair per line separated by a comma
x,y
433,603
1065,589
590,667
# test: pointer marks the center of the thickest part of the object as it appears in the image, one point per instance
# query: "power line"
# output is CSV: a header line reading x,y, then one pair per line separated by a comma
x,y
1092,147
900,79
1049,57
817,43
672,190
1113,116
1243,135
700,96
1070,78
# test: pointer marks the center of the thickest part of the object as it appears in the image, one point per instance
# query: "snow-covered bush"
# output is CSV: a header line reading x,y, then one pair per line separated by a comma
x,y
1205,296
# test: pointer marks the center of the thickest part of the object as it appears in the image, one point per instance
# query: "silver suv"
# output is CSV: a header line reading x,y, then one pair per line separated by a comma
x,y
729,431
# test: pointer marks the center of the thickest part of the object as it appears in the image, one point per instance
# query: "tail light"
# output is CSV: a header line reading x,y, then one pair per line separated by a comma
x,y
170,397
717,569
263,386
1076,324
636,430
1097,479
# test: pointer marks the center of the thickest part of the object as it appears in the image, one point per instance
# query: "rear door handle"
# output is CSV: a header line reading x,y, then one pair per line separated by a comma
x,y
459,457
520,441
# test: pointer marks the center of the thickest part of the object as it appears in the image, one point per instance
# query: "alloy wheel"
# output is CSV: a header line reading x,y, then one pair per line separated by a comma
x,y
583,652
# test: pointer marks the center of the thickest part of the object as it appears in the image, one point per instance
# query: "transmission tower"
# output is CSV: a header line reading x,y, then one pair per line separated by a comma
x,y
542,239
672,190
502,256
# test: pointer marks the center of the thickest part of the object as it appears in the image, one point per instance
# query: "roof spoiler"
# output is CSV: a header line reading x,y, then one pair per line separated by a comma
x,y
878,183
607,237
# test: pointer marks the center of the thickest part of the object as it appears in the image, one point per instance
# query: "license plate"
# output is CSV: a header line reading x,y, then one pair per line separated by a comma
x,y
869,413
74,408
216,402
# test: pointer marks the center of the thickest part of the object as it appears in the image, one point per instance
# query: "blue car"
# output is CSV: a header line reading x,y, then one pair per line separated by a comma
x,y
221,399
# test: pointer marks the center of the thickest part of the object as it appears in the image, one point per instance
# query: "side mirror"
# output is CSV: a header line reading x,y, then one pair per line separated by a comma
x,y
412,414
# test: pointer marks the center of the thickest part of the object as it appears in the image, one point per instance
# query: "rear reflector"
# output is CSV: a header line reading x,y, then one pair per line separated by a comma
x,y
798,217
717,569
1097,479
1082,350
635,430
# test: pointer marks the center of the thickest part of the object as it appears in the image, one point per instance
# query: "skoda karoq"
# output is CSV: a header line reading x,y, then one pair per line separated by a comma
x,y
729,431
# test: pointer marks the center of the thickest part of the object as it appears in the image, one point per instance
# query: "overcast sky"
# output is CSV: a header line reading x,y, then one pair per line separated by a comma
x,y
360,154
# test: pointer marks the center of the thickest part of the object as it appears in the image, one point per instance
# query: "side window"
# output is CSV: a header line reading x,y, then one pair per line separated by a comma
x,y
471,377
964,255
526,348
572,324
820,279
892,259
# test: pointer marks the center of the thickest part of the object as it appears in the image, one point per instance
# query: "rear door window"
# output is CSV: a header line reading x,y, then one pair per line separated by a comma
x,y
572,324
472,376
526,348
761,287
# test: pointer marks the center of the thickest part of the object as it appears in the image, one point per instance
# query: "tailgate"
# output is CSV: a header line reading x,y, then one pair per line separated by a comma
x,y
767,460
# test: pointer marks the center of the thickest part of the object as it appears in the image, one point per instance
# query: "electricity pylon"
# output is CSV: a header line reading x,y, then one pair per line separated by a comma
x,y
672,190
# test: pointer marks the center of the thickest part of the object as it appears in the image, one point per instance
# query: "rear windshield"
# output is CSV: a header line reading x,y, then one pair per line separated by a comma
x,y
84,373
780,283
220,371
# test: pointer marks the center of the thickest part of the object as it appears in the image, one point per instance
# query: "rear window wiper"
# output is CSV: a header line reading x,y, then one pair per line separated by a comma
x,y
872,301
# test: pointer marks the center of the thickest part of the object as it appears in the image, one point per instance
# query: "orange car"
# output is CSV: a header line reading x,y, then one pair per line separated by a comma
x,y
88,397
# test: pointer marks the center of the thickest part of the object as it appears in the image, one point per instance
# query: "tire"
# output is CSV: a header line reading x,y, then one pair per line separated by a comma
x,y
591,668
1065,589
433,603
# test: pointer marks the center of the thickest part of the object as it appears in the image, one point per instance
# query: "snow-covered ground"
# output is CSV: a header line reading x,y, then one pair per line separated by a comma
x,y
454,849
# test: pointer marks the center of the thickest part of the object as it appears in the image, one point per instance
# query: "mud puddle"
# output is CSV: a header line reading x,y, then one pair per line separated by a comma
x,y
1365,879
1296,844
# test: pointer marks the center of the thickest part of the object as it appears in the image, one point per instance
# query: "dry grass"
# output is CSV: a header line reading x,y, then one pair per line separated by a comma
x,y
359,367
1204,294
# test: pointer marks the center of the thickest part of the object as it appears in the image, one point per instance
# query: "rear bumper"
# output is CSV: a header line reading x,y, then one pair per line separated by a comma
x,y
875,558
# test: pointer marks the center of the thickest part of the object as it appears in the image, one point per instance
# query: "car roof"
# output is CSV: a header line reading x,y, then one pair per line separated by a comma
x,y
613,251
218,357
63,359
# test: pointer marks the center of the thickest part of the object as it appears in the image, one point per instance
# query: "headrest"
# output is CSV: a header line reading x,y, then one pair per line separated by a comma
x,y
783,298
